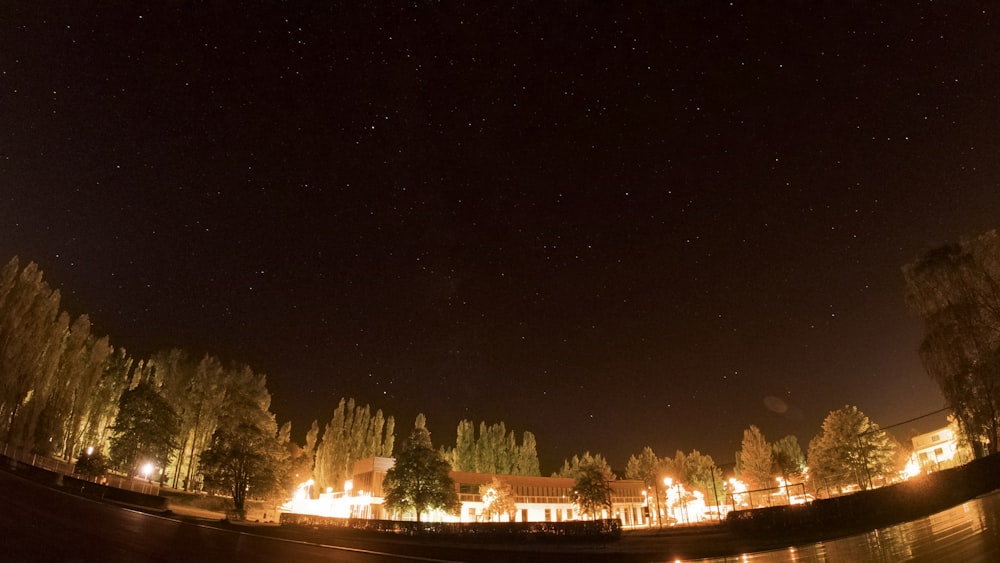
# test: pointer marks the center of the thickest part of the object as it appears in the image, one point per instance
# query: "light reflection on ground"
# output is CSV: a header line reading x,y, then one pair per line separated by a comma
x,y
968,533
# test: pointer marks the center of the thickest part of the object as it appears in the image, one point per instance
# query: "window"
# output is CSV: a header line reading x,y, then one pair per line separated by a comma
x,y
548,514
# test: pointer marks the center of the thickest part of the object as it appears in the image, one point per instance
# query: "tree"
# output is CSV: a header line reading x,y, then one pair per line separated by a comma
x,y
849,449
91,464
243,460
572,468
81,374
101,401
463,457
352,434
144,431
526,462
648,468
32,336
498,499
197,391
419,480
788,457
955,289
703,474
592,491
494,451
755,459
245,456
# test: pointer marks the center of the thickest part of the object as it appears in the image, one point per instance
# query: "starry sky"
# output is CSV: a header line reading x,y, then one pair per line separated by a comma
x,y
611,224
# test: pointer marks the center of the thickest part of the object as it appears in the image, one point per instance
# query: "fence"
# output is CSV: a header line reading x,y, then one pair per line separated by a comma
x,y
36,460
67,468
575,530
791,493
133,484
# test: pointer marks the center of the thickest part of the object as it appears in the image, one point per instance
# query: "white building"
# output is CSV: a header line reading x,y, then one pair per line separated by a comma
x,y
538,499
937,450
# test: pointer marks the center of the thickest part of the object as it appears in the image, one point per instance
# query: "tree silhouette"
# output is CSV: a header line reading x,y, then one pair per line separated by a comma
x,y
592,492
755,458
955,289
144,431
849,449
419,480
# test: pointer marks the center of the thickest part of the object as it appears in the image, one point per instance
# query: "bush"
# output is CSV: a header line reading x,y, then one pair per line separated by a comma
x,y
92,465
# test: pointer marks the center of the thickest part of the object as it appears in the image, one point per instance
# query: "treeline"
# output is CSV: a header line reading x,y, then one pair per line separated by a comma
x,y
59,384
62,387
64,391
494,450
352,434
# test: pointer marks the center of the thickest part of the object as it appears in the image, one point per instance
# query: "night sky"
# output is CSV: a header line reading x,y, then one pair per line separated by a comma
x,y
611,225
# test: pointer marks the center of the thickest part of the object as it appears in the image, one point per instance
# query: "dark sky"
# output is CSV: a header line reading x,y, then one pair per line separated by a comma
x,y
611,225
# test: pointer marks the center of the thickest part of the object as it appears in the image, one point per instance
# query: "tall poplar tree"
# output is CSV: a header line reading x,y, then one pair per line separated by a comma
x,y
755,459
955,290
351,435
494,450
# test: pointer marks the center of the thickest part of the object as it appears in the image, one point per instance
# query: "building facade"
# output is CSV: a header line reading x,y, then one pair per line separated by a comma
x,y
937,450
538,499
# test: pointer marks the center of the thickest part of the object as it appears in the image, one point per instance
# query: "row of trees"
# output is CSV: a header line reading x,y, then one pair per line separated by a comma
x,y
420,479
494,450
955,289
63,389
353,433
67,392
59,383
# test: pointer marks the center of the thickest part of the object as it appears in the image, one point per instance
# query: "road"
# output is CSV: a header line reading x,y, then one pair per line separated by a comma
x,y
43,524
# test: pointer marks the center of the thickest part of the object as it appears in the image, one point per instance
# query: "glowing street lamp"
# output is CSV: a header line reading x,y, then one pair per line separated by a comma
x,y
147,470
667,483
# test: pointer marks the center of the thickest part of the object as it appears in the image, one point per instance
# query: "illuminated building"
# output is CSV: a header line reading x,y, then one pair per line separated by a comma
x,y
538,499
937,449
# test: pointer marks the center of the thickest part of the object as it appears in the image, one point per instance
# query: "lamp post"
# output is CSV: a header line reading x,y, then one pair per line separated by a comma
x,y
348,486
656,491
667,482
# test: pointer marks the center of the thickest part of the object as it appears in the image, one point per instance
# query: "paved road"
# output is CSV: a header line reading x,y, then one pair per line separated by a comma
x,y
42,524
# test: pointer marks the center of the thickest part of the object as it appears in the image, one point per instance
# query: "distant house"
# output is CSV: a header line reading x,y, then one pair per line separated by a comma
x,y
938,449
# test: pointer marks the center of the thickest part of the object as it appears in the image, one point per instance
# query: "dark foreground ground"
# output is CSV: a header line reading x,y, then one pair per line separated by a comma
x,y
42,535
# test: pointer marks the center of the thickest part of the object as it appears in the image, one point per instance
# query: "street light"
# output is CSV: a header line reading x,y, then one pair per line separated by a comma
x,y
147,470
667,483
